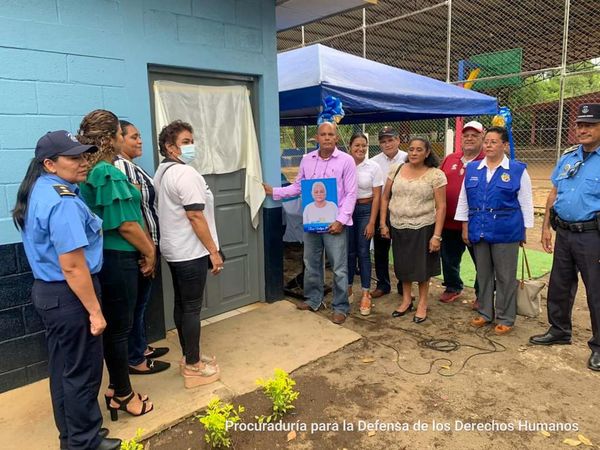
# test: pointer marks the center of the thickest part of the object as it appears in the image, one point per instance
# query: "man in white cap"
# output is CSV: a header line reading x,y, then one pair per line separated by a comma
x,y
453,246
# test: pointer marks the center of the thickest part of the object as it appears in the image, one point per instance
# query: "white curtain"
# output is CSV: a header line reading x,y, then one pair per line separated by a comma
x,y
223,131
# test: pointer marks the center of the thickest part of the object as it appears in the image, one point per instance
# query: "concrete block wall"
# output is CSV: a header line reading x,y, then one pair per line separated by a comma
x,y
22,341
60,59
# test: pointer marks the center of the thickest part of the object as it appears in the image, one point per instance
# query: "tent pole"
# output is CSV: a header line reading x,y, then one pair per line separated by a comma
x,y
563,75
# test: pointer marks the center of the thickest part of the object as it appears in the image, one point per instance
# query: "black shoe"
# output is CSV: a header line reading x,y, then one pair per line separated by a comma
x,y
401,313
102,433
594,361
549,339
109,444
153,365
417,319
156,352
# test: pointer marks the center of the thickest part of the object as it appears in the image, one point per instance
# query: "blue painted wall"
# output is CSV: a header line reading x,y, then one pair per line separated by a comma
x,y
60,59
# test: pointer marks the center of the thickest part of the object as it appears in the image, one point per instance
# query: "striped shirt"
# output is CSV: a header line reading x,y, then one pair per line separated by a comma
x,y
139,177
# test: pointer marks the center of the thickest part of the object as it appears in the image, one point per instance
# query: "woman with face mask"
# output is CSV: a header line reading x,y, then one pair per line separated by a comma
x,y
188,242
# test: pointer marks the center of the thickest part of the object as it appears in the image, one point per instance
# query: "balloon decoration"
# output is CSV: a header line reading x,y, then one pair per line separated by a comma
x,y
504,119
331,110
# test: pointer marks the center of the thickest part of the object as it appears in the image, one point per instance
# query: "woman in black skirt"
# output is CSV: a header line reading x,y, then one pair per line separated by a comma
x,y
415,194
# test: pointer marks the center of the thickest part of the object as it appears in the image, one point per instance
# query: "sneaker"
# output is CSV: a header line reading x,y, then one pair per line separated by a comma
x,y
449,297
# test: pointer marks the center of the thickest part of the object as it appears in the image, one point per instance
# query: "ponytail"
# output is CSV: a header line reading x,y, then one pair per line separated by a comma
x,y
34,171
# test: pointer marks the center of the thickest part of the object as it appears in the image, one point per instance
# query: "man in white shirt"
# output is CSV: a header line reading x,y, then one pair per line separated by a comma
x,y
390,155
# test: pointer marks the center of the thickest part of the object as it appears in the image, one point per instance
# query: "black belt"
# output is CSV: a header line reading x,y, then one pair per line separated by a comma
x,y
577,227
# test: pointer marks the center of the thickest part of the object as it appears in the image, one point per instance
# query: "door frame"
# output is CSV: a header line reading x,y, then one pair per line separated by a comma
x,y
223,78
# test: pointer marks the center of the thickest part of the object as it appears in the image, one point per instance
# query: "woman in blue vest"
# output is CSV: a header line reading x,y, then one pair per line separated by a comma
x,y
63,243
496,206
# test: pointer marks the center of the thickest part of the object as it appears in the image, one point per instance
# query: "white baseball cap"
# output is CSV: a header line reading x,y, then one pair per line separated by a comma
x,y
474,125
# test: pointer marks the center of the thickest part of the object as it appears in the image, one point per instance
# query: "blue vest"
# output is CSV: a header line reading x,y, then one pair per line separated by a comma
x,y
494,211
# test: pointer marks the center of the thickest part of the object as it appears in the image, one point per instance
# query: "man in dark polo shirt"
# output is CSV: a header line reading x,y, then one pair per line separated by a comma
x,y
390,156
453,246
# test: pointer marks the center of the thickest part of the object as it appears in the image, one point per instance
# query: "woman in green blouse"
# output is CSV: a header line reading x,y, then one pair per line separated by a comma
x,y
127,250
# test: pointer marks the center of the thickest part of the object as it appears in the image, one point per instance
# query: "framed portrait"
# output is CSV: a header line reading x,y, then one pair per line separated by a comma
x,y
319,204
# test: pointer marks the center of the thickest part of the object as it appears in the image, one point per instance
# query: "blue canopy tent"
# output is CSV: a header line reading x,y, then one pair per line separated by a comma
x,y
369,91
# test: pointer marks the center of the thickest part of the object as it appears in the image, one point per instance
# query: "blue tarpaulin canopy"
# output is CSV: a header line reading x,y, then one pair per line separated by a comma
x,y
369,91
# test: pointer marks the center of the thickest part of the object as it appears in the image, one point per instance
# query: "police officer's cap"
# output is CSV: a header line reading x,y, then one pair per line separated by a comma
x,y
60,143
588,112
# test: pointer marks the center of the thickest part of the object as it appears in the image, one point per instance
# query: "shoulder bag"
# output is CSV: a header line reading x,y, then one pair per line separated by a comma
x,y
528,292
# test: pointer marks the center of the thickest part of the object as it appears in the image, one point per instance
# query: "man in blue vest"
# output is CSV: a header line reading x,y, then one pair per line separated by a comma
x,y
573,210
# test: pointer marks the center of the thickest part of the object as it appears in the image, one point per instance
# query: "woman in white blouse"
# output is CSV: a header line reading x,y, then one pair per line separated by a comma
x,y
370,181
495,205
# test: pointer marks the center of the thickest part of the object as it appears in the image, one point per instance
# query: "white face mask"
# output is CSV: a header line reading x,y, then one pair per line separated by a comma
x,y
188,153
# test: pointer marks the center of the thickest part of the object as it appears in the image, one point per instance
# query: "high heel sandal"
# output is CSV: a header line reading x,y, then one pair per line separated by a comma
x,y
365,305
200,375
108,398
122,405
208,360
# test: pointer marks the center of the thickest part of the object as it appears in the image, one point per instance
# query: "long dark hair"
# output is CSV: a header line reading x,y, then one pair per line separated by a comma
x,y
431,160
34,171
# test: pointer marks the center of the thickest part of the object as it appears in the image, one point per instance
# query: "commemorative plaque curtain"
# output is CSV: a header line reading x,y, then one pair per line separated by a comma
x,y
224,131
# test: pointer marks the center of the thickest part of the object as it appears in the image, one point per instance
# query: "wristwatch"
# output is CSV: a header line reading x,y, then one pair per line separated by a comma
x,y
439,238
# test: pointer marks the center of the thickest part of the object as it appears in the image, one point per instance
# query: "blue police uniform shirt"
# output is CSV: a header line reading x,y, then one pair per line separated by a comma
x,y
55,225
578,194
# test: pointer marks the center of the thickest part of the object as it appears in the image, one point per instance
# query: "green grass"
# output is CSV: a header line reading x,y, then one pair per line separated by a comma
x,y
540,264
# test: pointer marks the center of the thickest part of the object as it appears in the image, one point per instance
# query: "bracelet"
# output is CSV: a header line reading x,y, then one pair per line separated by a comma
x,y
382,226
439,238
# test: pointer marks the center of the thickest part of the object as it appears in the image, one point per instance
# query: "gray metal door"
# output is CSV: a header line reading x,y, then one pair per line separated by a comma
x,y
239,283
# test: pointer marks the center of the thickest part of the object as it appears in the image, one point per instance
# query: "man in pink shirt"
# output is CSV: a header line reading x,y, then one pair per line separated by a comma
x,y
453,246
326,162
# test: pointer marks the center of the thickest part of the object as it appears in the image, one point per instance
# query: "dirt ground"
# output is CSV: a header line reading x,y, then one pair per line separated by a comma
x,y
440,384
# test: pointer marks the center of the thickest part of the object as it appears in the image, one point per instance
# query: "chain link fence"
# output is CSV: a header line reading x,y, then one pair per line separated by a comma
x,y
540,58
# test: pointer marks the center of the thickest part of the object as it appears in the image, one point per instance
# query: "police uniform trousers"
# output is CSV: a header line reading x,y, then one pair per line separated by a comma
x,y
574,252
74,363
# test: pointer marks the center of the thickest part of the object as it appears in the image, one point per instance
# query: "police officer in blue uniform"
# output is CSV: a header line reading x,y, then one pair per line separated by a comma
x,y
63,243
573,210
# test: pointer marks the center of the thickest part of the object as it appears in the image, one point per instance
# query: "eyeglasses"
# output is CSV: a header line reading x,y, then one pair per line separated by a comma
x,y
573,170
